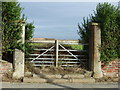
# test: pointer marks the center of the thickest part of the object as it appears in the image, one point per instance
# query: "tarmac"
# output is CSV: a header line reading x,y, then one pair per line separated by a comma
x,y
67,86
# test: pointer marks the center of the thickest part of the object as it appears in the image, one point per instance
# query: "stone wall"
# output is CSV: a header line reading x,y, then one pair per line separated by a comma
x,y
112,69
5,67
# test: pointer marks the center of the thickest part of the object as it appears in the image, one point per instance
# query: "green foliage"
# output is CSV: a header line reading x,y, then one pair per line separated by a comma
x,y
84,33
39,45
12,30
29,29
84,30
76,47
108,16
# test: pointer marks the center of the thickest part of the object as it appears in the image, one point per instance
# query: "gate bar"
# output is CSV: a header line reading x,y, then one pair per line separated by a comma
x,y
56,58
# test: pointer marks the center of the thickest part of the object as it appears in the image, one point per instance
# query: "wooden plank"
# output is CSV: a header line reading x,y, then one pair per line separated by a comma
x,y
75,59
41,62
74,50
72,56
74,65
58,59
42,41
70,62
44,49
43,55
74,42
53,62
42,58
70,65
37,65
54,55
61,50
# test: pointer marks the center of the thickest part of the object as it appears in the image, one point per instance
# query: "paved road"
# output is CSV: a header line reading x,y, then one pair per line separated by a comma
x,y
52,85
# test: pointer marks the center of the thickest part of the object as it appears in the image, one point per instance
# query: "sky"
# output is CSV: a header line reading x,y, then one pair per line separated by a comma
x,y
58,20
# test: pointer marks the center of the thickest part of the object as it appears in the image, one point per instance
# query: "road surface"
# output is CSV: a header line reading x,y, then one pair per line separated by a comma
x,y
53,85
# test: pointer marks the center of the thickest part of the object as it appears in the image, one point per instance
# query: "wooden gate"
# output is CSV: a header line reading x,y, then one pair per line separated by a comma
x,y
57,54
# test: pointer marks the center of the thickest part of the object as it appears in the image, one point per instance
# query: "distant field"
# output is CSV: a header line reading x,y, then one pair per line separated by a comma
x,y
40,45
76,47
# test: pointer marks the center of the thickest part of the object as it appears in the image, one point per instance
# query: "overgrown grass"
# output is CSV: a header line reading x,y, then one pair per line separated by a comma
x,y
40,45
76,47
37,44
53,69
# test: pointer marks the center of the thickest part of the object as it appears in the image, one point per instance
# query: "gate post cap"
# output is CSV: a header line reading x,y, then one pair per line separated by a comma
x,y
95,24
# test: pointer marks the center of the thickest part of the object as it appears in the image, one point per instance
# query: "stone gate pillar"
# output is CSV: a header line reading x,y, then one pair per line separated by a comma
x,y
18,61
94,50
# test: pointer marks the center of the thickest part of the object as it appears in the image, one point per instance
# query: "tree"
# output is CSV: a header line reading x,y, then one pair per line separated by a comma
x,y
29,29
11,27
108,16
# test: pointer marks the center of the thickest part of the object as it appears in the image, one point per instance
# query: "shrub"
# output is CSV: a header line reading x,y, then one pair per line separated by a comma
x,y
11,28
108,16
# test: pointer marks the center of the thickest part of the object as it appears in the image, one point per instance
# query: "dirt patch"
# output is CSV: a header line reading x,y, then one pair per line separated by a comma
x,y
61,70
107,79
8,78
54,70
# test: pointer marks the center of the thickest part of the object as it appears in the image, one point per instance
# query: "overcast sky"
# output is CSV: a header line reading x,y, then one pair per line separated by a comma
x,y
57,20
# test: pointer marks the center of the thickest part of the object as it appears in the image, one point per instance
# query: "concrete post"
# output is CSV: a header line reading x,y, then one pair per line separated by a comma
x,y
94,46
56,56
19,58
